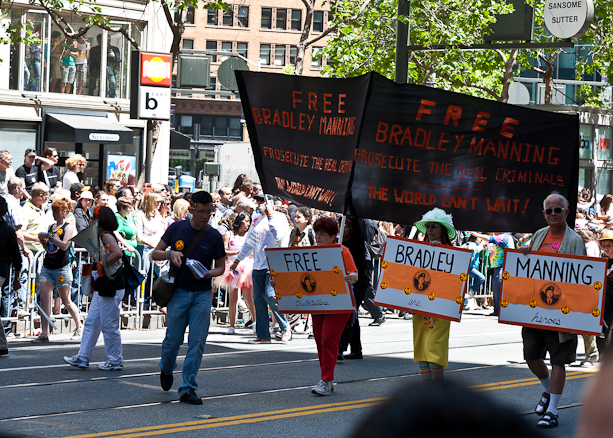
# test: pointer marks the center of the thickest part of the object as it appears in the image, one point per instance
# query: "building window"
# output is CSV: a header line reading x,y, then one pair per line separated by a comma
x,y
213,81
266,18
241,48
228,16
226,46
330,62
296,19
212,45
189,18
293,52
243,16
185,124
280,55
236,129
265,54
318,21
212,17
221,127
330,19
315,63
281,19
188,44
206,125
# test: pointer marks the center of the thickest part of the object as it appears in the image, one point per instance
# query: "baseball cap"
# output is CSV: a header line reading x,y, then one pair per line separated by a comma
x,y
87,195
260,195
30,153
78,187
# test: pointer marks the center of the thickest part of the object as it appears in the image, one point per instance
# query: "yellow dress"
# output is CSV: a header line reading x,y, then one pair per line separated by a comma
x,y
430,339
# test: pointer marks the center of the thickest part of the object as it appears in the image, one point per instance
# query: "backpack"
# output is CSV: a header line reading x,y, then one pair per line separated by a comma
x,y
377,244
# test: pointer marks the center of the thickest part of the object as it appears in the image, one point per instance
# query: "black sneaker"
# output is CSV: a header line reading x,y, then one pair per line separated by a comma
x,y
191,398
377,322
248,324
166,381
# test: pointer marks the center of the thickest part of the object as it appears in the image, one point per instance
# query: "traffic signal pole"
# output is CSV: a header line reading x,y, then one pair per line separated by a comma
x,y
402,39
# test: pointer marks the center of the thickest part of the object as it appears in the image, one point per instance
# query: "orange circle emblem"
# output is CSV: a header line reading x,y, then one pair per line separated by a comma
x,y
384,264
333,292
179,245
278,296
505,275
336,270
59,232
458,299
595,312
60,279
273,273
383,285
463,276
532,303
431,296
598,285
565,310
407,290
298,295
504,303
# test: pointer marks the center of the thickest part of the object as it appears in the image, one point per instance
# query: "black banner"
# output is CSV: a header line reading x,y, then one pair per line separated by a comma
x,y
414,148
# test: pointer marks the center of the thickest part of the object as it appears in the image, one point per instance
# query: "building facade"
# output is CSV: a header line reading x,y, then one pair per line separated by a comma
x,y
266,33
73,95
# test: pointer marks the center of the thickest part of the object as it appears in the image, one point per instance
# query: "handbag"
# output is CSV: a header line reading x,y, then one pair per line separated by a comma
x,y
164,285
132,277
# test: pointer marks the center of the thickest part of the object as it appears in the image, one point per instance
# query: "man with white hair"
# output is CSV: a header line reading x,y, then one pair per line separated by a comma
x,y
557,238
6,171
244,204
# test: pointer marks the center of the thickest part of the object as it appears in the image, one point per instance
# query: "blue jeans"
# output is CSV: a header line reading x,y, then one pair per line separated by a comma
x,y
477,279
35,74
193,309
496,282
264,297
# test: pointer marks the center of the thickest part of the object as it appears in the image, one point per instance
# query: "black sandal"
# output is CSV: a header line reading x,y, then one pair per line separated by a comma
x,y
545,405
548,421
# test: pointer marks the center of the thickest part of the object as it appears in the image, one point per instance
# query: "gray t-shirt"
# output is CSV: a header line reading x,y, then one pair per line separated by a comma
x,y
4,179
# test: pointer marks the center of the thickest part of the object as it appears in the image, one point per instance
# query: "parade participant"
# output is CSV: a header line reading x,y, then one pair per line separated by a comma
x,y
75,165
233,242
269,230
328,327
501,241
9,255
111,186
225,200
593,250
56,271
104,309
606,244
50,174
126,229
555,238
83,213
6,171
604,209
192,297
430,334
149,228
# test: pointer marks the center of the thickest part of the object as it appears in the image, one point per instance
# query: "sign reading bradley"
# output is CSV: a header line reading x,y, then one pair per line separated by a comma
x,y
556,292
310,279
430,280
410,148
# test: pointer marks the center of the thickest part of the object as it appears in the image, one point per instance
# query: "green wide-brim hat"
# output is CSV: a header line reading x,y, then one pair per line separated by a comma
x,y
439,216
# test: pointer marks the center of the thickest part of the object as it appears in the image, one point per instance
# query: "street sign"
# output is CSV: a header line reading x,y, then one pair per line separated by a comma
x,y
226,70
568,19
150,83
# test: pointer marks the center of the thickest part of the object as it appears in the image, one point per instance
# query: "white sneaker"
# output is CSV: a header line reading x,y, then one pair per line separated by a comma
x,y
323,388
110,366
230,331
287,336
76,334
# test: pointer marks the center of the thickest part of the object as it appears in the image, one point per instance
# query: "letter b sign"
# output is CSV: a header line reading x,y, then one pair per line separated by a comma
x,y
154,103
151,103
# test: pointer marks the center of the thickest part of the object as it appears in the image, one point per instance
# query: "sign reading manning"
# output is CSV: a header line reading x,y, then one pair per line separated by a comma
x,y
554,292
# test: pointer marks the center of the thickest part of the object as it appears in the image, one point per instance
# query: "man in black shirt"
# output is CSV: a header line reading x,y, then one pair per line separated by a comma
x,y
49,173
30,171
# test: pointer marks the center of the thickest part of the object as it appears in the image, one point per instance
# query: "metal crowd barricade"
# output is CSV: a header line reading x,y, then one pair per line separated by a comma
x,y
82,301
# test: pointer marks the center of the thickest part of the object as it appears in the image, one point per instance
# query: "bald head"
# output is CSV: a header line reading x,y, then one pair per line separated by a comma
x,y
556,197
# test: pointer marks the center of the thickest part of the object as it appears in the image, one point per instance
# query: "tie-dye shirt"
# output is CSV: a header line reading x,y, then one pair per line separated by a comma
x,y
501,241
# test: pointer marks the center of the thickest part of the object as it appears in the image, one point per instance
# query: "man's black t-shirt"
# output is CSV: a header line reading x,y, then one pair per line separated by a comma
x,y
30,175
179,236
50,176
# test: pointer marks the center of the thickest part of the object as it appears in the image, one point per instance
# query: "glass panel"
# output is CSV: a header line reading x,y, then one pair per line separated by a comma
x,y
221,127
188,44
212,17
296,19
186,124
16,138
330,62
228,16
117,63
604,143
265,54
15,53
266,18
318,21
315,63
189,17
213,83
226,46
241,48
206,126
243,16
94,35
212,45
280,55
585,179
293,52
32,69
281,19
235,127
128,176
604,183
587,142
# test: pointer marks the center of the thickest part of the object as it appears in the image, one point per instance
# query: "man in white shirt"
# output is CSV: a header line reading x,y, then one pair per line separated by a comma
x,y
6,171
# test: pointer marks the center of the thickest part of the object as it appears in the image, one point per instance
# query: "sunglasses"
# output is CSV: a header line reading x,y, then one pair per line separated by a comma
x,y
558,210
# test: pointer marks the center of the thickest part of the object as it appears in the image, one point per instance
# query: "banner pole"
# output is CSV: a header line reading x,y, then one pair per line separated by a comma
x,y
342,229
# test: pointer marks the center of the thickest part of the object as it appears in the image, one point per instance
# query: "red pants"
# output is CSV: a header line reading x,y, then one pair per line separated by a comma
x,y
327,329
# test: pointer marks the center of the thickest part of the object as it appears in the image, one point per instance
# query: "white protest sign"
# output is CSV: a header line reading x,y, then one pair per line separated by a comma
x,y
310,279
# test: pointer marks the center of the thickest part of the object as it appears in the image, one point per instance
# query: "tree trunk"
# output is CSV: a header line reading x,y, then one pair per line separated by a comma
x,y
548,77
306,30
157,125
508,75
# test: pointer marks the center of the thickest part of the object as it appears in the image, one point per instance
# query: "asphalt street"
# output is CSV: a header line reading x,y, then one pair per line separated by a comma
x,y
259,390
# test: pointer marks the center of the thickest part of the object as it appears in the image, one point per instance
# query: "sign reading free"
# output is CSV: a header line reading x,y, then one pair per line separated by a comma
x,y
568,18
156,69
